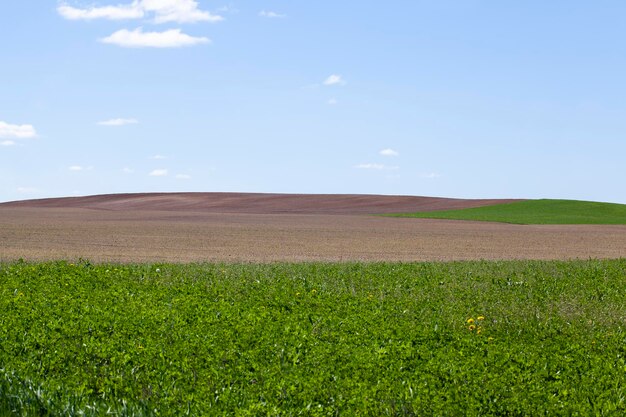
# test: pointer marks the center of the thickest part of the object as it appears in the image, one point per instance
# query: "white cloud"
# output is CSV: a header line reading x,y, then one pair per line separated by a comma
x,y
378,167
137,38
120,12
7,143
389,152
183,177
370,166
10,131
27,190
158,157
271,15
180,11
165,11
77,168
158,173
127,170
430,175
118,122
332,101
228,9
334,79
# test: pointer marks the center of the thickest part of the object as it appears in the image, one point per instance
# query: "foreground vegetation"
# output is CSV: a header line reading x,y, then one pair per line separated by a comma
x,y
466,338
535,212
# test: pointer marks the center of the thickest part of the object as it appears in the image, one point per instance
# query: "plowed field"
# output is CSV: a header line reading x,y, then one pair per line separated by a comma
x,y
266,227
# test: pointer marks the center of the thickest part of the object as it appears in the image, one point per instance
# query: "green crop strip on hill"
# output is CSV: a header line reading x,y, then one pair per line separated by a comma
x,y
461,338
535,212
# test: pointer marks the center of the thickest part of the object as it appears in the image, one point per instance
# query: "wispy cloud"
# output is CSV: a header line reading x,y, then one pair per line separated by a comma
x,y
27,190
118,122
11,131
120,12
271,15
179,11
332,101
183,177
370,166
334,79
157,157
127,170
172,38
229,8
7,143
375,166
389,152
430,175
78,168
159,173
164,11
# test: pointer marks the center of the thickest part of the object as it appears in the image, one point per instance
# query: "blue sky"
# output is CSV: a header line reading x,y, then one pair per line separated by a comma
x,y
464,98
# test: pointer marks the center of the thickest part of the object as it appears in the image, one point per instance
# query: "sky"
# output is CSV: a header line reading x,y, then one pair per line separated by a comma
x,y
450,98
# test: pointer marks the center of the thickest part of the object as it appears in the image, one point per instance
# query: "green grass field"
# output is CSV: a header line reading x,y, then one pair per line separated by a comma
x,y
535,212
461,338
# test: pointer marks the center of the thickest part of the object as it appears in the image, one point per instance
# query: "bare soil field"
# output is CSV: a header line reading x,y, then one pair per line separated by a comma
x,y
267,228
257,203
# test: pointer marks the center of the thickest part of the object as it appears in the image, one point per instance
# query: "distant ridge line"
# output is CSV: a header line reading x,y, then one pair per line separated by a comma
x,y
257,203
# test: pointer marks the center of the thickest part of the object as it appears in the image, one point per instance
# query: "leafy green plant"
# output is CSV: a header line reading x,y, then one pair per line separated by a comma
x,y
313,339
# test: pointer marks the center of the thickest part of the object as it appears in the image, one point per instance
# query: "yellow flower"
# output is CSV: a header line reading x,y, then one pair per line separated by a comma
x,y
490,339
470,321
297,294
314,291
480,318
478,330
472,327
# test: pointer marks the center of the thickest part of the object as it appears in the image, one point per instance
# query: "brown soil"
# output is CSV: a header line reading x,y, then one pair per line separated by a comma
x,y
43,232
258,203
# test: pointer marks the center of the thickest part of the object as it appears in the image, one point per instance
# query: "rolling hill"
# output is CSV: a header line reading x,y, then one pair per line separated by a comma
x,y
257,203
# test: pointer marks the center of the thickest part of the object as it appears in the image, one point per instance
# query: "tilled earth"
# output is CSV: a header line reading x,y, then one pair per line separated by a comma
x,y
139,235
